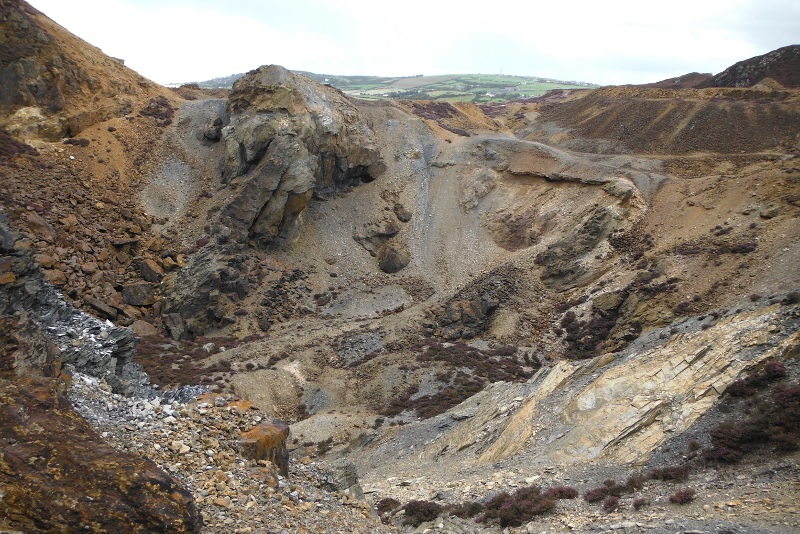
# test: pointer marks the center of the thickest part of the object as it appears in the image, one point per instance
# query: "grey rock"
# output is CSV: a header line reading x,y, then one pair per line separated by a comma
x,y
393,258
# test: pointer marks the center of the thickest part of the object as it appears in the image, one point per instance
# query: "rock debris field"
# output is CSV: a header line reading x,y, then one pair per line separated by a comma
x,y
197,443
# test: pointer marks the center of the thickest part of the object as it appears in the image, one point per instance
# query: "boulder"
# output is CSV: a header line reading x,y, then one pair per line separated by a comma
x,y
267,441
393,258
344,478
105,311
213,130
150,270
143,328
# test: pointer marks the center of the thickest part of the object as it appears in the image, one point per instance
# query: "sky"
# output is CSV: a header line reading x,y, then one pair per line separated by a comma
x,y
604,42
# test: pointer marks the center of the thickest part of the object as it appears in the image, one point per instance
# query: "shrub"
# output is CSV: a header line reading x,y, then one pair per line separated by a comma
x,y
594,495
638,502
773,419
521,507
774,370
677,473
611,503
418,512
635,482
683,496
467,510
387,505
561,492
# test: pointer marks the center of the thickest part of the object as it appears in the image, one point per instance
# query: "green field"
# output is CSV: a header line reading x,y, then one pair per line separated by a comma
x,y
477,88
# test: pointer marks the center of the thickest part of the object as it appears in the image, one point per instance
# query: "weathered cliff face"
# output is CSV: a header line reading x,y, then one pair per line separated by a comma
x,y
290,139
53,84
56,473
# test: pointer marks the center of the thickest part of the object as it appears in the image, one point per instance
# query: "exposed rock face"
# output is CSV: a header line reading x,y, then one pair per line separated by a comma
x,y
290,139
469,312
203,294
91,346
57,475
619,409
47,76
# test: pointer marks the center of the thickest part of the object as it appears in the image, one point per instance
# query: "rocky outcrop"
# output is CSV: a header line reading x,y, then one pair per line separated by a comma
x,y
204,293
611,410
469,312
56,474
267,441
289,139
782,65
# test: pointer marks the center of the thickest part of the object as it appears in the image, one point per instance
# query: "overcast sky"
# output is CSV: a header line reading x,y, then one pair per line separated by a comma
x,y
605,42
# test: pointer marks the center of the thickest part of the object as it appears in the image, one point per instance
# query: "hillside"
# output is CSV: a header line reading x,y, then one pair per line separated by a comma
x,y
475,88
277,307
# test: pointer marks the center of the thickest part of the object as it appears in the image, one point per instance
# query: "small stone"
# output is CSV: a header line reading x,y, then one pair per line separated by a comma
x,y
89,267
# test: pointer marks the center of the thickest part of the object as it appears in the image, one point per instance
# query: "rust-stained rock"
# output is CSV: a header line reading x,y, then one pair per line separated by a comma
x,y
267,441
57,475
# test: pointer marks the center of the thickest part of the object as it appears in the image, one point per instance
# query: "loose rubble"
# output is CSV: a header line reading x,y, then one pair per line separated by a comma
x,y
198,443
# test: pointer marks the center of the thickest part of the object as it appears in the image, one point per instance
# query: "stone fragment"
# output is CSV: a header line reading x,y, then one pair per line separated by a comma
x,y
267,441
175,325
168,264
89,267
106,311
150,270
45,260
138,294
40,226
143,328
56,277
345,478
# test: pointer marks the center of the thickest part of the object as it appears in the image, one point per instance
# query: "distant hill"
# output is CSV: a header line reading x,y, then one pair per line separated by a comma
x,y
686,81
476,88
